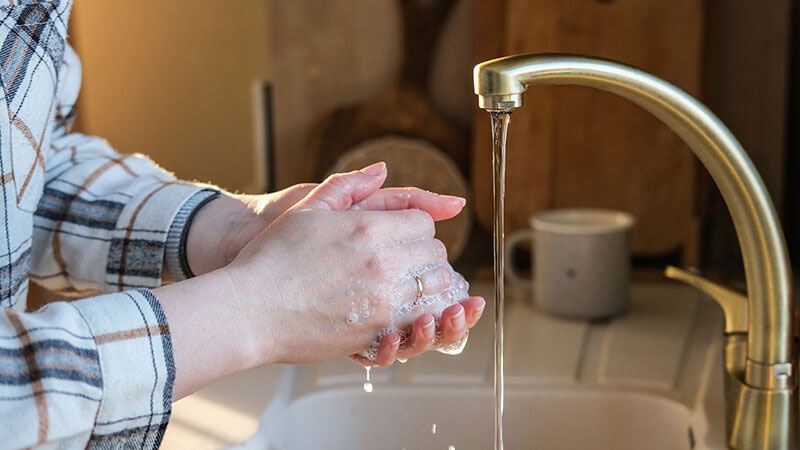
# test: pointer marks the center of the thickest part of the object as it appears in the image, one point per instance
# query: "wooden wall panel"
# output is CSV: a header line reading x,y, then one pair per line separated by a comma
x,y
572,146
331,54
176,81
746,85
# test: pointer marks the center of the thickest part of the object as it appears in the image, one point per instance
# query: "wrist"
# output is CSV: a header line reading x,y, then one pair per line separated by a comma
x,y
259,320
175,262
211,235
212,330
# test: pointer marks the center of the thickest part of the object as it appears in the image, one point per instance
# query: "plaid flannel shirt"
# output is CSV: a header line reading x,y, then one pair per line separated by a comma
x,y
78,218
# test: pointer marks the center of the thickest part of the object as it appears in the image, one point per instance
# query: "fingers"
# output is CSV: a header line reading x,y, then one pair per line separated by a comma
x,y
340,191
408,224
440,207
453,324
473,309
425,251
423,333
456,320
433,281
387,352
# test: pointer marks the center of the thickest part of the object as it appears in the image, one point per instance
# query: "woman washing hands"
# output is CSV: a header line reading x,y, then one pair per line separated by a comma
x,y
288,292
275,278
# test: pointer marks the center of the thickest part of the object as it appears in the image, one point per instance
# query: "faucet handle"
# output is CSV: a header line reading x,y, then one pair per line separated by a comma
x,y
733,304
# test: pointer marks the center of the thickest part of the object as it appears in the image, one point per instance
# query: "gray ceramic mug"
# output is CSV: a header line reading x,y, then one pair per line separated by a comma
x,y
581,261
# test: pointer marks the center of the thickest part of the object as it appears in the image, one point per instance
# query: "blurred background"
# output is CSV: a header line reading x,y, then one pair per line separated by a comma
x,y
256,95
270,93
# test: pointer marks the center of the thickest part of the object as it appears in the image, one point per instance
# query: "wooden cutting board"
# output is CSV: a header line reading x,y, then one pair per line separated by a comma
x,y
405,109
402,127
574,146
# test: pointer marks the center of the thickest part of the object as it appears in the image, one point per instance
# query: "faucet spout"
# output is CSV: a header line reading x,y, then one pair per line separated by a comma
x,y
770,350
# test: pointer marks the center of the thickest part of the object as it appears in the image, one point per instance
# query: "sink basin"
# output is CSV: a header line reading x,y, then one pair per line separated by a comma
x,y
552,419
650,379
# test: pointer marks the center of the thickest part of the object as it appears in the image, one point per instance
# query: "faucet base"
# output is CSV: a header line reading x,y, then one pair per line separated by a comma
x,y
757,419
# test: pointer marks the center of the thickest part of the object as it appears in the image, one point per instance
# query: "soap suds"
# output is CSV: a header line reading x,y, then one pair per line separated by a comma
x,y
404,314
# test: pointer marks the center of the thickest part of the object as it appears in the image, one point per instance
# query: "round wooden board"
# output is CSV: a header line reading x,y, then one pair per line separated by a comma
x,y
417,163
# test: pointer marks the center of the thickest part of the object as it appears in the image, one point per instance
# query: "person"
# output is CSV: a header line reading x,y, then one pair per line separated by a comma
x,y
257,279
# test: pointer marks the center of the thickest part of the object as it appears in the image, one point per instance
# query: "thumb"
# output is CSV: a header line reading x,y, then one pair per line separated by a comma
x,y
341,190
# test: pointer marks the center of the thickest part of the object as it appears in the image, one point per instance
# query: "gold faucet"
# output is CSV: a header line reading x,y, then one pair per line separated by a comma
x,y
760,354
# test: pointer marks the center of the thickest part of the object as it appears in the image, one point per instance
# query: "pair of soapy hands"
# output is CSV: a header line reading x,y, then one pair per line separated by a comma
x,y
329,246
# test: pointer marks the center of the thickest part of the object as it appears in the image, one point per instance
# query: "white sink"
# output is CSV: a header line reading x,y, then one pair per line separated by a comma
x,y
651,379
551,419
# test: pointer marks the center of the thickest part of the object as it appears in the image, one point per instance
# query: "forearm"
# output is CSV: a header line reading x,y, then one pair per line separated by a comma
x,y
210,330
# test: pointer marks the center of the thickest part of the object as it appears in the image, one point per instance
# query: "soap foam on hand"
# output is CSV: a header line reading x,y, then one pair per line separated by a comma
x,y
405,314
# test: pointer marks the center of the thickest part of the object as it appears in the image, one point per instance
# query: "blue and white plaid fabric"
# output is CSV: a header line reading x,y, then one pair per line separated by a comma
x,y
79,219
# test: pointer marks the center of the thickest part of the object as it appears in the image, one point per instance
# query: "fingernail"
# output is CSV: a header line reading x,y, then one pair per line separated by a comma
x,y
459,314
374,170
429,324
460,200
483,305
395,340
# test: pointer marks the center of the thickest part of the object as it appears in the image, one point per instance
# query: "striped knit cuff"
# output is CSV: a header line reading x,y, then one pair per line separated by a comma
x,y
175,253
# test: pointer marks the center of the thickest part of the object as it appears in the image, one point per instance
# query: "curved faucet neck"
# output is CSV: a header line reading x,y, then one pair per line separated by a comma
x,y
500,84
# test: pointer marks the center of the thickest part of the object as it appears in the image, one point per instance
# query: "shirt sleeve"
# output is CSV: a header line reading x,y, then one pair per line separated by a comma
x,y
94,373
103,219
98,372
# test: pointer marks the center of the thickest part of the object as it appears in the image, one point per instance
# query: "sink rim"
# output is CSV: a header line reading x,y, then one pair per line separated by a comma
x,y
285,411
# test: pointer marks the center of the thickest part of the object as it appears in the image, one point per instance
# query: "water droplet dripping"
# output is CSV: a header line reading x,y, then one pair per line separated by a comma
x,y
367,384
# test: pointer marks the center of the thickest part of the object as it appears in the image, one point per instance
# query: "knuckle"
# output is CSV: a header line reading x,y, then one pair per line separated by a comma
x,y
399,199
366,228
422,221
426,222
379,265
440,279
361,230
439,250
337,179
444,277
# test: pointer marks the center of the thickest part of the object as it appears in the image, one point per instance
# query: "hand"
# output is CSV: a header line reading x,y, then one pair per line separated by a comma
x,y
315,264
234,220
